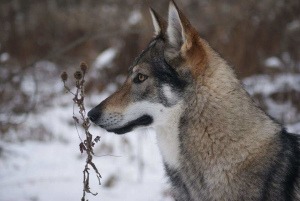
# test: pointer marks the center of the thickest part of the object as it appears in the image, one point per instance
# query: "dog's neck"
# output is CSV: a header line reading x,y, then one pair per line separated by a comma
x,y
217,117
223,114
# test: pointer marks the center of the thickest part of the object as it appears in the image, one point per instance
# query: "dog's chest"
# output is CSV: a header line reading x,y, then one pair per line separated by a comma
x,y
168,143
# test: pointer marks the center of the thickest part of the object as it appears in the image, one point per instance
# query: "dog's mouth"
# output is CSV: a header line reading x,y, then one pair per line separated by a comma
x,y
144,120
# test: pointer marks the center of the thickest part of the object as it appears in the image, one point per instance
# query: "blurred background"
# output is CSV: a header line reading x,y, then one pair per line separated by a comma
x,y
39,153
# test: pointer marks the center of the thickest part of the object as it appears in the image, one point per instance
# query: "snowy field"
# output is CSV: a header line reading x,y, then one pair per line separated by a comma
x,y
47,171
130,165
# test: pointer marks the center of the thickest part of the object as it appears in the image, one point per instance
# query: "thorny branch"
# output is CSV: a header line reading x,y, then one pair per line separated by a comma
x,y
88,144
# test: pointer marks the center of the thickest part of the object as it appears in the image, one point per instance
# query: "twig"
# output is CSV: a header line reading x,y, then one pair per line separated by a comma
x,y
88,144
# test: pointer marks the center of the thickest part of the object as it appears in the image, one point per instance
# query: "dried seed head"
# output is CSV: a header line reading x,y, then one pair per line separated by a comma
x,y
78,75
64,76
97,139
83,67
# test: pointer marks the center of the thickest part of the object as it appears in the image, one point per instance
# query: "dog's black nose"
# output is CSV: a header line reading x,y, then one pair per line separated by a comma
x,y
93,114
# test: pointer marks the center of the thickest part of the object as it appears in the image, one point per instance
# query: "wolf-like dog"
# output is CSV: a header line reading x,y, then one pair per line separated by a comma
x,y
215,142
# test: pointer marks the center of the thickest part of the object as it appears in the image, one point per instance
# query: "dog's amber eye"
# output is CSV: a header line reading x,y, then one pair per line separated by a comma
x,y
140,78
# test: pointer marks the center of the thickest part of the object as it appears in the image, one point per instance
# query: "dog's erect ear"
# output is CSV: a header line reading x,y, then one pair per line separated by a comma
x,y
179,31
183,40
160,25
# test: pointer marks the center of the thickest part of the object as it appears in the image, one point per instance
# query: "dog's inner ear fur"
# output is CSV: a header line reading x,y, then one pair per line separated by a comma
x,y
180,33
160,25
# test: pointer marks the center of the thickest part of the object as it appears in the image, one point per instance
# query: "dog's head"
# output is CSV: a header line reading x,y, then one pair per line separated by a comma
x,y
156,82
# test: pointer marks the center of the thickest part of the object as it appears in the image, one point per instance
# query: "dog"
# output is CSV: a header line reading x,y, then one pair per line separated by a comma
x,y
216,143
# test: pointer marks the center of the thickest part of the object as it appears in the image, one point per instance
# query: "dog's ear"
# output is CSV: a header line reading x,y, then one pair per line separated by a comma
x,y
160,25
180,32
183,40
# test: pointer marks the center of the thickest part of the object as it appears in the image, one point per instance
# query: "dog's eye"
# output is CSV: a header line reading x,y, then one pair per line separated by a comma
x,y
140,78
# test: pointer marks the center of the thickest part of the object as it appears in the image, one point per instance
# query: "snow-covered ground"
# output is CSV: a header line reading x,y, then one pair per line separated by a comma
x,y
53,171
47,171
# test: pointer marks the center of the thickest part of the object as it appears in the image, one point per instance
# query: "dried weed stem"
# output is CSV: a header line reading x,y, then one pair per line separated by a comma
x,y
88,144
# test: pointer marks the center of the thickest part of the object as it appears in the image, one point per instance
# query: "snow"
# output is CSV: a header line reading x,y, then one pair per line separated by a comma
x,y
294,25
105,58
28,84
135,17
52,170
4,57
267,84
273,62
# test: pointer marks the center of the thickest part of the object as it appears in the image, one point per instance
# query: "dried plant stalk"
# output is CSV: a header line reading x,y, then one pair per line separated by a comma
x,y
88,144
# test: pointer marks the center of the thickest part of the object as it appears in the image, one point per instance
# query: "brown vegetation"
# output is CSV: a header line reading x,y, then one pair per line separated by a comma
x,y
244,32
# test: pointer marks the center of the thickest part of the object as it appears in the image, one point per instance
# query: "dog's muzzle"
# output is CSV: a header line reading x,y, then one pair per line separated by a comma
x,y
113,125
